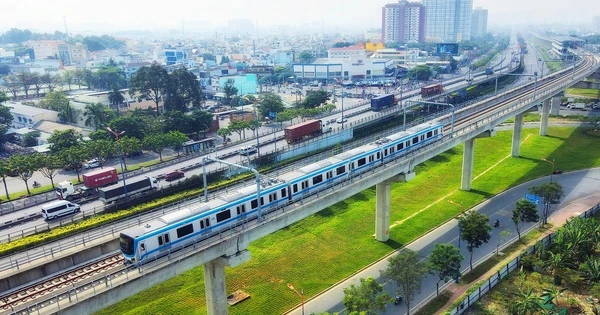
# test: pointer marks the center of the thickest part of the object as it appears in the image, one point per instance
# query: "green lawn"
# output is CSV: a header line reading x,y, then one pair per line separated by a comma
x,y
591,93
325,248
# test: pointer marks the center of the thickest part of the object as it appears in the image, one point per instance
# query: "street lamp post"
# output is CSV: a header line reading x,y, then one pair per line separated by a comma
x,y
459,229
551,162
342,66
254,102
301,295
117,134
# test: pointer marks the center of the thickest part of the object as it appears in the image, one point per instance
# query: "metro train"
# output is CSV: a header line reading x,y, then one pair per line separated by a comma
x,y
195,225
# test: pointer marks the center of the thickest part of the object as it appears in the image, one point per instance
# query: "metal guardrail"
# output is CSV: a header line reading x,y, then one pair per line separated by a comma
x,y
509,108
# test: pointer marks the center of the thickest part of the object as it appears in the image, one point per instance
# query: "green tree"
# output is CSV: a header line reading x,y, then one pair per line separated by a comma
x,y
525,211
305,57
36,81
115,96
79,77
26,80
150,82
95,114
526,302
199,121
208,56
61,140
50,81
24,166
407,272
420,72
156,143
11,82
590,270
6,117
270,103
224,59
101,150
444,261
57,101
129,145
176,140
176,120
108,76
551,193
183,90
230,90
552,294
315,98
30,139
129,124
366,298
5,170
240,127
68,77
74,157
224,133
475,230
49,165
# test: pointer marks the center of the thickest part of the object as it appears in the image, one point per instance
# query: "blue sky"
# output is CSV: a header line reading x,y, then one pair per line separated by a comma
x,y
110,15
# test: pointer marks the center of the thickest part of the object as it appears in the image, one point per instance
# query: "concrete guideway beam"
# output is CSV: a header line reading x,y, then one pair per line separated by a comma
x,y
214,281
382,206
545,116
516,138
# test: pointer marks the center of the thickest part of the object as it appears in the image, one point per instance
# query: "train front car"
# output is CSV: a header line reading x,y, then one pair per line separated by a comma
x,y
128,245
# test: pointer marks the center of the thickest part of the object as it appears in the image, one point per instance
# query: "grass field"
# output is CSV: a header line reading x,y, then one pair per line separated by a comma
x,y
324,248
591,93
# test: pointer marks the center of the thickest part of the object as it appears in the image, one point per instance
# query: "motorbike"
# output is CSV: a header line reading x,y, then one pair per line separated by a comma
x,y
36,184
398,300
497,223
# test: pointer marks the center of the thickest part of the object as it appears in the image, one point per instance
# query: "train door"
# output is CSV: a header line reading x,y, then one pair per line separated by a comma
x,y
164,241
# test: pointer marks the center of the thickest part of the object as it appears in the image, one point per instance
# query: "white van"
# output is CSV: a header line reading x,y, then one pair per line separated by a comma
x,y
59,208
247,150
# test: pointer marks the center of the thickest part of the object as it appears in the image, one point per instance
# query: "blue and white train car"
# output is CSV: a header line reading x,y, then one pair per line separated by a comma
x,y
178,229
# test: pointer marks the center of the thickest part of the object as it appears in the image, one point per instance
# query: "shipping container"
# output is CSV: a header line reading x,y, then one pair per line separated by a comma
x,y
117,191
381,102
298,132
432,90
99,178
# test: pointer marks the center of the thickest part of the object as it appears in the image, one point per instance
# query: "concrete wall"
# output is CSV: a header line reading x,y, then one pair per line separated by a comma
x,y
37,272
587,85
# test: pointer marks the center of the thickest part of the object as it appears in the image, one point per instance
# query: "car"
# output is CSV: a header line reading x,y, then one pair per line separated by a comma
x,y
341,120
247,150
172,175
93,163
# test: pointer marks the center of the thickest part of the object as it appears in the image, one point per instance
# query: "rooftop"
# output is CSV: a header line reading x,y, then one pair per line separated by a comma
x,y
347,48
50,127
29,111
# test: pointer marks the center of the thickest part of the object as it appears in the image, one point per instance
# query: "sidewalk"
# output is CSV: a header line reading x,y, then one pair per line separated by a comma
x,y
573,209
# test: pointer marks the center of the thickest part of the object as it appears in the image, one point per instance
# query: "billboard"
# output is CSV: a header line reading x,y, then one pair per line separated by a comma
x,y
447,48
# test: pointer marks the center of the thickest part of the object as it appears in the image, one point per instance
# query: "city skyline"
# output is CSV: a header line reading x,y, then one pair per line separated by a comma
x,y
46,16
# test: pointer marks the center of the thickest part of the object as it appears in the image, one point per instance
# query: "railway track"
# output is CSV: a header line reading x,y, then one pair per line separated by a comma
x,y
70,282
60,283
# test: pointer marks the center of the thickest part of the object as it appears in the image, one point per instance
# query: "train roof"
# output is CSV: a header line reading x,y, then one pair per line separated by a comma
x,y
291,175
394,137
423,126
184,213
318,165
147,227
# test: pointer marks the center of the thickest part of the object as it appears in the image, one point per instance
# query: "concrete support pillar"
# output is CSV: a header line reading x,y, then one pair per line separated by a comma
x,y
382,211
467,167
545,116
516,138
555,109
214,281
382,205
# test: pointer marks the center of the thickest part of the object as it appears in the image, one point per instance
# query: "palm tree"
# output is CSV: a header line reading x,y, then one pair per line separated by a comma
x,y
95,114
556,264
115,96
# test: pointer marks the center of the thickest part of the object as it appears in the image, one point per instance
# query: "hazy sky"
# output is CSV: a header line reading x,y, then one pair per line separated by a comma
x,y
112,15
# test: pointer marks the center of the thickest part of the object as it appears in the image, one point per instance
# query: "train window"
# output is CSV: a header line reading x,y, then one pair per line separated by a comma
x,y
392,150
429,134
272,197
385,152
422,137
329,174
408,143
166,238
185,230
244,208
371,158
262,201
362,162
254,204
223,215
415,140
238,210
401,146
283,193
201,224
207,222
340,170
142,247
295,188
304,184
160,240
378,155
435,132
317,179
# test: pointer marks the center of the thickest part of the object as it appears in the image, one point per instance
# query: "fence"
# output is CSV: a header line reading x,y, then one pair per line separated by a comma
x,y
510,267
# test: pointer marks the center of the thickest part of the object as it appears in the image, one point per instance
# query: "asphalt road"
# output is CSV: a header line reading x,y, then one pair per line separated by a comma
x,y
576,185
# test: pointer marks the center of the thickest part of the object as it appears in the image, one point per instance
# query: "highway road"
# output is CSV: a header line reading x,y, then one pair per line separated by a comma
x,y
353,115
576,184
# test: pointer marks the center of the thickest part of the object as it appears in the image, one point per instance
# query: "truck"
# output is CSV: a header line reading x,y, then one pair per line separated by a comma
x,y
118,191
303,130
91,182
381,102
432,89
576,106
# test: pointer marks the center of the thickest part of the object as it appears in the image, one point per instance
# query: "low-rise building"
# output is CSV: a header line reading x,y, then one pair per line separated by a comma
x,y
562,44
343,52
353,68
27,116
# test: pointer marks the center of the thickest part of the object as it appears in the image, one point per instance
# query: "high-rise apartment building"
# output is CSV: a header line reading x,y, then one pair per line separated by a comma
x,y
479,22
448,20
403,22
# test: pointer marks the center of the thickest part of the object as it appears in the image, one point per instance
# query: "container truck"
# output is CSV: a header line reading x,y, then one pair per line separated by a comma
x,y
306,129
91,182
576,106
115,192
381,102
432,90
